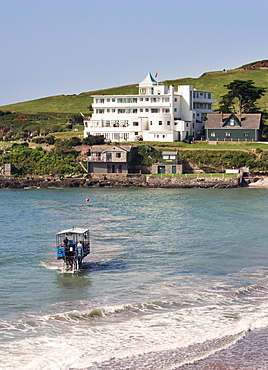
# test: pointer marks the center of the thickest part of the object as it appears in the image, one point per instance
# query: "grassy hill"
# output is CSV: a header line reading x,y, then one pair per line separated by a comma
x,y
213,81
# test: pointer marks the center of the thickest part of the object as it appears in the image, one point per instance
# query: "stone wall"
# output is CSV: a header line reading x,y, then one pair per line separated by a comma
x,y
192,182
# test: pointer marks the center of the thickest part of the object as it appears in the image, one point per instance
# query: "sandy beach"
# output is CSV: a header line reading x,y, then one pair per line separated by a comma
x,y
249,353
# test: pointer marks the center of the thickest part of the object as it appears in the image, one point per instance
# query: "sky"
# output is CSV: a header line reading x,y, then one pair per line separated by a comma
x,y
54,47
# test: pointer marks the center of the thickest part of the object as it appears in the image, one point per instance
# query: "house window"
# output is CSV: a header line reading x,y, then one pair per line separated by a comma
x,y
168,123
136,133
213,134
175,109
164,136
160,123
228,134
118,155
246,134
175,99
135,123
151,122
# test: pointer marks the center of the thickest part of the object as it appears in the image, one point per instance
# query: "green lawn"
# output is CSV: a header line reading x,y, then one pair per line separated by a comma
x,y
203,145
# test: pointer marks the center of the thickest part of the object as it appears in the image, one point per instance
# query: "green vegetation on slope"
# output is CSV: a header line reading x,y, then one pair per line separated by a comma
x,y
212,81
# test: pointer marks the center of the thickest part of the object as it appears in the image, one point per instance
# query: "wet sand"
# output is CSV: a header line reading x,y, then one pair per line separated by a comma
x,y
251,352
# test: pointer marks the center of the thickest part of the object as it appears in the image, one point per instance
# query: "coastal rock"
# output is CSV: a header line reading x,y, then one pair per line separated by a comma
x,y
120,181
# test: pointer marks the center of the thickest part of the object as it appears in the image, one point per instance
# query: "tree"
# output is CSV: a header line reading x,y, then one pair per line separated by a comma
x,y
243,94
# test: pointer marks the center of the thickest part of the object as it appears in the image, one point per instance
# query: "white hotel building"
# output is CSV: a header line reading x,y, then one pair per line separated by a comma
x,y
157,113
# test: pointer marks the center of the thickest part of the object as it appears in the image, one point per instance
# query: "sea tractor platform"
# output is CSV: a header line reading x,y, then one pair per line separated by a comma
x,y
72,246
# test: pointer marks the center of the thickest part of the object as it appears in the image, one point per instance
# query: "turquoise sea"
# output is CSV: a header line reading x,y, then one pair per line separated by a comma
x,y
174,276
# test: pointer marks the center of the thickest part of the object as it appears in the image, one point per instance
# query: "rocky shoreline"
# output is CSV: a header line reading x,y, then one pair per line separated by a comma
x,y
131,181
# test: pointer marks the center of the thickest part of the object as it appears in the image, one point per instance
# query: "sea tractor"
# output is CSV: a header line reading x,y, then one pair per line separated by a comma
x,y
72,246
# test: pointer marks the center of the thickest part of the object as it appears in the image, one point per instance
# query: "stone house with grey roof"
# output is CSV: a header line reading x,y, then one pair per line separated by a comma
x,y
110,159
170,164
231,127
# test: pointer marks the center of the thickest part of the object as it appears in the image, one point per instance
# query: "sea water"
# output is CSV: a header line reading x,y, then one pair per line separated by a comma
x,y
174,276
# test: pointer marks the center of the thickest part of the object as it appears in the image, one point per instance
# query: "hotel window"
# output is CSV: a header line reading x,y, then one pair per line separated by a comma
x,y
101,100
175,99
154,110
113,110
113,100
141,99
96,100
175,109
121,111
135,123
141,109
168,123
151,122
228,134
246,134
163,136
209,96
160,123
146,99
146,110
108,110
136,133
100,111
142,91
108,100
132,100
213,134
